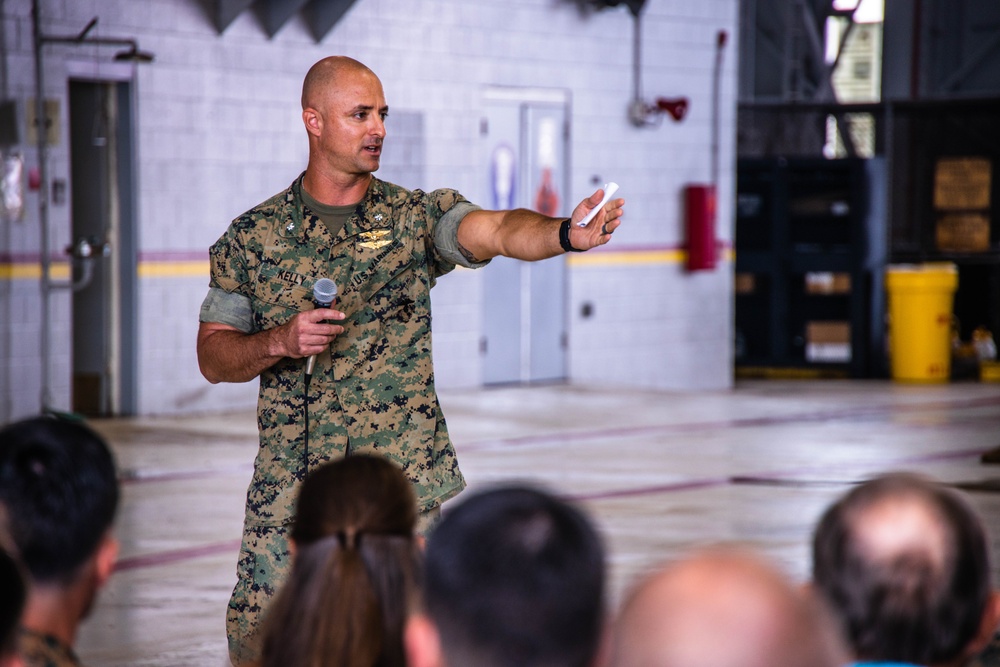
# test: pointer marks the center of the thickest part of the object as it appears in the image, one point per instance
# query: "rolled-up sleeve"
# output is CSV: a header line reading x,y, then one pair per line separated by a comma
x,y
227,308
228,300
446,235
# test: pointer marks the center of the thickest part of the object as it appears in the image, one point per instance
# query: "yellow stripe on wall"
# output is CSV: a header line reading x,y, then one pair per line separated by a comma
x,y
60,271
672,256
57,271
189,269
200,268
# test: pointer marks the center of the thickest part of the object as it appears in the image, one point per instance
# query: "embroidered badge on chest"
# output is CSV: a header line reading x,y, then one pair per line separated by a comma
x,y
375,238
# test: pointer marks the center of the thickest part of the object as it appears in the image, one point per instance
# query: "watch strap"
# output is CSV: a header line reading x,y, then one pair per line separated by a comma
x,y
564,236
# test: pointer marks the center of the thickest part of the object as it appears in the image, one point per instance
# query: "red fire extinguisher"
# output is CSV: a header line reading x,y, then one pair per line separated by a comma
x,y
699,213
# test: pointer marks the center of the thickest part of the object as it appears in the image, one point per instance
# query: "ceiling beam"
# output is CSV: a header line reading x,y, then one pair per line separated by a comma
x,y
322,15
226,12
274,14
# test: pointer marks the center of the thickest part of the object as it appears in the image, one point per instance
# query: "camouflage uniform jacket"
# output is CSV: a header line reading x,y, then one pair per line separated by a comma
x,y
373,389
41,650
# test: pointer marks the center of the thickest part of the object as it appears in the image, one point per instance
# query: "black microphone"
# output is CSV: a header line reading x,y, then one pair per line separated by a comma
x,y
324,294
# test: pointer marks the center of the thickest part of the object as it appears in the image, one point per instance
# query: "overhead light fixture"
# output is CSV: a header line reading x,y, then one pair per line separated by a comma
x,y
133,54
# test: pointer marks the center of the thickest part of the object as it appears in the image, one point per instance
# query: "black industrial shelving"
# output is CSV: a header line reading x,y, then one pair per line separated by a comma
x,y
810,254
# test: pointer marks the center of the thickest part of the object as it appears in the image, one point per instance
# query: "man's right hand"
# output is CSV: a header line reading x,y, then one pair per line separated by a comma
x,y
226,354
309,333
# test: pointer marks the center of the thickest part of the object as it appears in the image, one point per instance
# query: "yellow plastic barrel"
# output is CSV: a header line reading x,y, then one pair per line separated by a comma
x,y
921,297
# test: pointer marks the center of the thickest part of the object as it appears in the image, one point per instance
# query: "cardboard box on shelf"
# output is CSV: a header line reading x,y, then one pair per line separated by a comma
x,y
827,282
962,183
963,232
828,342
746,283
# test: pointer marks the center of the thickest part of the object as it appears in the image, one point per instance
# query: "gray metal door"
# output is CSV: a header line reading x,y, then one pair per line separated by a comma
x,y
103,233
524,319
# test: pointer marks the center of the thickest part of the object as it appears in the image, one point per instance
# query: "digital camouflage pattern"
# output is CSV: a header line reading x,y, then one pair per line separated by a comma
x,y
265,562
373,390
41,650
990,656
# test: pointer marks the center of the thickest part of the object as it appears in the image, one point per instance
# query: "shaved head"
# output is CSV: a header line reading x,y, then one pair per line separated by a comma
x,y
343,111
324,77
724,607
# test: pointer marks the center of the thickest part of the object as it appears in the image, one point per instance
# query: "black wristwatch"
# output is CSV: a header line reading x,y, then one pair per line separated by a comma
x,y
564,237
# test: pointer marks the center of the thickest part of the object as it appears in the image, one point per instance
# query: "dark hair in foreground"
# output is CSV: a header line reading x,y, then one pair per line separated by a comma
x,y
354,570
515,577
13,595
920,603
60,492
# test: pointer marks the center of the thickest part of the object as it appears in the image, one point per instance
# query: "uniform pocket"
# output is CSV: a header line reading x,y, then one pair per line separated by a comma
x,y
397,296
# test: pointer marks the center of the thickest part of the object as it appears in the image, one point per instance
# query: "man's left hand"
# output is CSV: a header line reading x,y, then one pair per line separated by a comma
x,y
599,230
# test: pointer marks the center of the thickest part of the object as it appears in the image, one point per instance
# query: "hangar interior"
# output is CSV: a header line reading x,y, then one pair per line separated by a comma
x,y
859,142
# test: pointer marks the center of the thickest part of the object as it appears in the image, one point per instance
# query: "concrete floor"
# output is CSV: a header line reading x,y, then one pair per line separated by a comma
x,y
660,472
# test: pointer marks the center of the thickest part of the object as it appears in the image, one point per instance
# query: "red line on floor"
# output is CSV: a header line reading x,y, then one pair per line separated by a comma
x,y
784,475
748,422
176,555
146,476
179,555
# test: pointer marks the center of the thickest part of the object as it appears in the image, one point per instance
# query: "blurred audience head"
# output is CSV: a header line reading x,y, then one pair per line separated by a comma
x,y
724,607
355,567
513,577
59,492
904,563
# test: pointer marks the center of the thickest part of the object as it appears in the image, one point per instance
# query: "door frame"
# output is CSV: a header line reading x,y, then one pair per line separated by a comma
x,y
122,266
515,284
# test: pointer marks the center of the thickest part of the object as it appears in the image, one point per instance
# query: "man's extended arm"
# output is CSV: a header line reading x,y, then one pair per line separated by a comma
x,y
226,354
524,234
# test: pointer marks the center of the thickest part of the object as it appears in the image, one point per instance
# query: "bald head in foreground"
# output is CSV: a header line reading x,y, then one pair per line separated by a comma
x,y
724,607
904,563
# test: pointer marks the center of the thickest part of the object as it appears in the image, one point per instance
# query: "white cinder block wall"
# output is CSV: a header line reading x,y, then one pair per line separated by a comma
x,y
218,129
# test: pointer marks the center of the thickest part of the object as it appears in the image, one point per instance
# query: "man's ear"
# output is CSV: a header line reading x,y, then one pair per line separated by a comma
x,y
988,626
422,643
313,121
105,558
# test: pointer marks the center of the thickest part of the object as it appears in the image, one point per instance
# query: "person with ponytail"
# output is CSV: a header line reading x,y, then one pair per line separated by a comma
x,y
355,564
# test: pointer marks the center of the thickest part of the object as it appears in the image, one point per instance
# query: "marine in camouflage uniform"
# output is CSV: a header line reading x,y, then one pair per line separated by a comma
x,y
373,386
373,389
